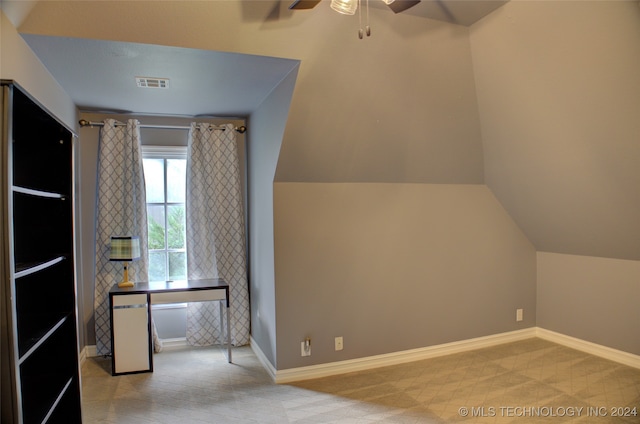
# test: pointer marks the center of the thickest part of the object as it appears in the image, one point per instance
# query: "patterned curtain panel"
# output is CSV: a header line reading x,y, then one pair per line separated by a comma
x,y
121,211
215,232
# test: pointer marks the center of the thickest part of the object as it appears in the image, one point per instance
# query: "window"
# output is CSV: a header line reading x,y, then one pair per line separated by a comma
x,y
165,181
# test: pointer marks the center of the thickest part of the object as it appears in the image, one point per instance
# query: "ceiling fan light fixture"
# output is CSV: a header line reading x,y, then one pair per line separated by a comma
x,y
346,7
388,1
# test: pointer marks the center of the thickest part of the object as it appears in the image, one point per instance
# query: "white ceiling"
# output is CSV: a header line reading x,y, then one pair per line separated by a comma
x,y
99,75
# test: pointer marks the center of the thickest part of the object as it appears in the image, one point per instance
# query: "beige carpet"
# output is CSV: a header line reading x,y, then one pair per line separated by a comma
x,y
531,381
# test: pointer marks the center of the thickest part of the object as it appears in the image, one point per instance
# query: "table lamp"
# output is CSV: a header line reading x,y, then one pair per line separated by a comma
x,y
125,249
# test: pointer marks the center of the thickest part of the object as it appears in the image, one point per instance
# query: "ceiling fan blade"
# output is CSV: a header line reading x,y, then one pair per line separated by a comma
x,y
402,5
303,4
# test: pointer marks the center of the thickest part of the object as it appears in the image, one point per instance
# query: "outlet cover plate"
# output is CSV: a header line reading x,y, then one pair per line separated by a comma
x,y
305,350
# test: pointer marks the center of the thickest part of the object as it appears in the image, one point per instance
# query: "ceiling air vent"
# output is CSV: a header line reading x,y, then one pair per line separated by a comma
x,y
149,82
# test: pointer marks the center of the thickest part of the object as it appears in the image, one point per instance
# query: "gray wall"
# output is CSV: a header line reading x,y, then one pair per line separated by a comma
x,y
559,101
392,267
593,299
265,137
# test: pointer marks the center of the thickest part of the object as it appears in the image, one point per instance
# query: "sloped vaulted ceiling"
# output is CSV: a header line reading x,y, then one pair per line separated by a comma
x,y
409,84
559,100
426,101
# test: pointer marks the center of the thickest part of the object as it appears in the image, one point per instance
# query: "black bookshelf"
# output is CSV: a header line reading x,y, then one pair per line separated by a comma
x,y
40,330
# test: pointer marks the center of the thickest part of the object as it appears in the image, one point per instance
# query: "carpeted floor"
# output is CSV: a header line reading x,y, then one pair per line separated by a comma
x,y
530,381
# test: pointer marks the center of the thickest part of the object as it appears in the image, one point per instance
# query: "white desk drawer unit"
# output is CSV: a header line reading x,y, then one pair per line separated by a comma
x,y
132,300
187,296
131,336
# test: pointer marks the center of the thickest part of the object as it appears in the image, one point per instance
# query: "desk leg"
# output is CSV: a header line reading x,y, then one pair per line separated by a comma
x,y
229,333
228,329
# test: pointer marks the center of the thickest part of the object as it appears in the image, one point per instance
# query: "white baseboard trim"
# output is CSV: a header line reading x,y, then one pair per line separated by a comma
x,y
82,356
262,358
177,343
605,352
360,364
89,351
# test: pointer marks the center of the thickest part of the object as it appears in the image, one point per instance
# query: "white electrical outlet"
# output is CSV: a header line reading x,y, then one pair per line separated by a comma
x,y
305,348
519,314
339,343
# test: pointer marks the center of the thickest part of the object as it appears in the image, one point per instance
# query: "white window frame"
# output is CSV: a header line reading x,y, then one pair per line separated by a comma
x,y
164,152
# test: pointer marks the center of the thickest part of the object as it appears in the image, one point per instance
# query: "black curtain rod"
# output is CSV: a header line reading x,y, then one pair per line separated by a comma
x,y
84,123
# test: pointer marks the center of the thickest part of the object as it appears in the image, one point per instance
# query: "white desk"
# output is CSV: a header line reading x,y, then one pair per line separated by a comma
x,y
131,335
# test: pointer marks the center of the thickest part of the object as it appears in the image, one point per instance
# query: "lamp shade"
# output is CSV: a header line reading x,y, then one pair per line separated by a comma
x,y
125,248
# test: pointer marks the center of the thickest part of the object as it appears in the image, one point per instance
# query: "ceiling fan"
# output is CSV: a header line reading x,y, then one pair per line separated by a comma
x,y
396,5
349,7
